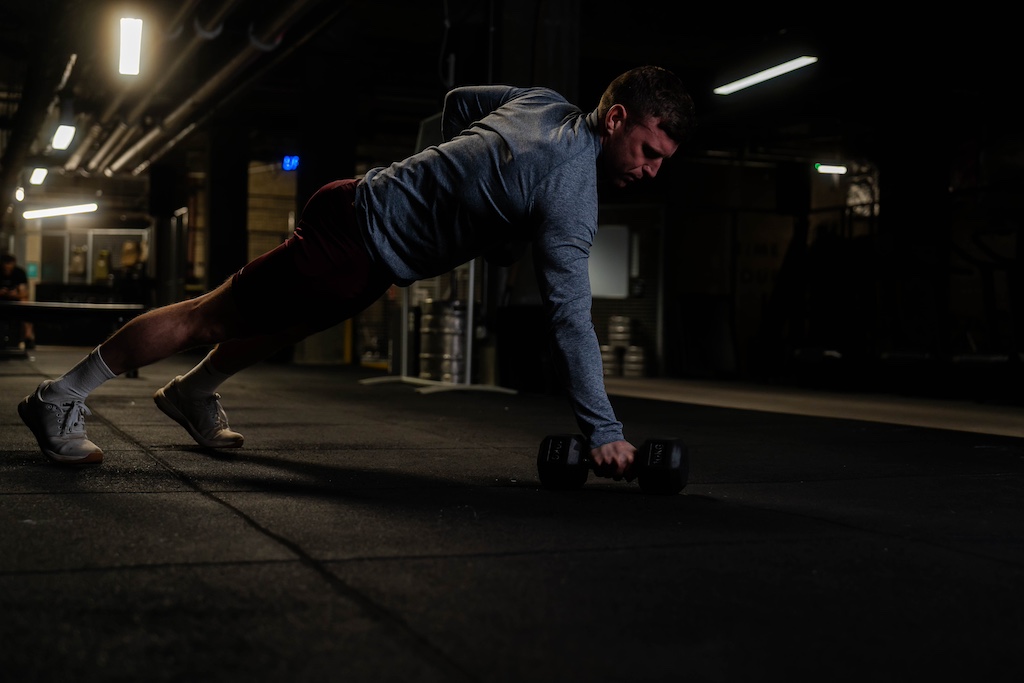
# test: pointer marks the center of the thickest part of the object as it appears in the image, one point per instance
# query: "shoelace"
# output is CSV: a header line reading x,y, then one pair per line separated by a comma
x,y
72,420
214,411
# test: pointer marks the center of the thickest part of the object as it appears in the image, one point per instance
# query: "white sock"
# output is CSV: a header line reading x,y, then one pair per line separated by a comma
x,y
203,379
81,380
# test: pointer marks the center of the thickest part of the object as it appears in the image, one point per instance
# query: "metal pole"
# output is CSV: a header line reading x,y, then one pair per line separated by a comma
x,y
403,329
471,295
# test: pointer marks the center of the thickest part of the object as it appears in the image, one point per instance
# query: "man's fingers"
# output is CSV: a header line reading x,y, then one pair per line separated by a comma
x,y
611,469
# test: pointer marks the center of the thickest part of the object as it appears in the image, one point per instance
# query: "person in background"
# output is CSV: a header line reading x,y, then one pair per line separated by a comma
x,y
14,287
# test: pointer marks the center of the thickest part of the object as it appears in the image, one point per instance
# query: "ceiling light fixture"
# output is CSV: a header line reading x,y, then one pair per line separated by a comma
x,y
60,211
63,137
38,176
767,74
833,169
131,46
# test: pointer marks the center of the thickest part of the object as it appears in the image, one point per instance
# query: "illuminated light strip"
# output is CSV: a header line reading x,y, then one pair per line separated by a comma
x,y
131,46
63,136
834,169
60,211
761,76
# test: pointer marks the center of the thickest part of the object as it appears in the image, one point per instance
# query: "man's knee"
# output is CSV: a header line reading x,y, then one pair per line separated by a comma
x,y
216,317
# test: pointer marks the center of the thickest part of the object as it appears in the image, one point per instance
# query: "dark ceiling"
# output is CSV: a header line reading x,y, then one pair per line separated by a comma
x,y
383,68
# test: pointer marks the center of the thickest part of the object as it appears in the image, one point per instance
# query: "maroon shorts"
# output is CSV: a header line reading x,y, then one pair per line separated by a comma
x,y
319,277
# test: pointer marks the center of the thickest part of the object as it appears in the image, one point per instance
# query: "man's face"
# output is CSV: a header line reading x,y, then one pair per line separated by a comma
x,y
632,152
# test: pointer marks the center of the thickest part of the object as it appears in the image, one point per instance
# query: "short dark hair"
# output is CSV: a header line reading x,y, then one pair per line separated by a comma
x,y
652,91
7,258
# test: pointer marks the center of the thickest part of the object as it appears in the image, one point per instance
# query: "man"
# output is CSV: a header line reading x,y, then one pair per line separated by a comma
x,y
518,165
14,287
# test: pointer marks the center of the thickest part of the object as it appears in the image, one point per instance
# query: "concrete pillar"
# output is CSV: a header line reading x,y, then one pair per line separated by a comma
x,y
229,201
328,132
539,44
327,139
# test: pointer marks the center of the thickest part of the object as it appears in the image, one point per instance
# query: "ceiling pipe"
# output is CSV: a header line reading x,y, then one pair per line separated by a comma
x,y
115,104
44,76
256,45
281,55
65,76
127,128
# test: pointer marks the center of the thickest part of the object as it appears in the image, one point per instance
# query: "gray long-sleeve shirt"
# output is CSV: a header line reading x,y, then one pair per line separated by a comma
x,y
516,164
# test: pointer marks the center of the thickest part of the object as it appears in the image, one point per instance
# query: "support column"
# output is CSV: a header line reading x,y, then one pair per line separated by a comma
x,y
327,140
229,202
539,44
327,134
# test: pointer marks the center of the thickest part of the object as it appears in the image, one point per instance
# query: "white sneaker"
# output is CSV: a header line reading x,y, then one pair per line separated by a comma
x,y
59,428
202,416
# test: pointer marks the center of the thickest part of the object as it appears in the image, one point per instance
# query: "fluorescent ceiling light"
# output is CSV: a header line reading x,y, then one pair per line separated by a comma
x,y
60,211
63,137
131,46
38,176
761,76
834,169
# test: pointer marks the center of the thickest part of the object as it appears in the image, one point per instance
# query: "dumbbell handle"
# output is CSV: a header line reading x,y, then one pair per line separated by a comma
x,y
661,465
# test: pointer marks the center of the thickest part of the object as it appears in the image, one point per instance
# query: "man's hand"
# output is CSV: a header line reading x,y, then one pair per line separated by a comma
x,y
614,460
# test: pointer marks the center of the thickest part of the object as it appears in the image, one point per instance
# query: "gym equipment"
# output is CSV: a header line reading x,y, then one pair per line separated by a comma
x,y
661,465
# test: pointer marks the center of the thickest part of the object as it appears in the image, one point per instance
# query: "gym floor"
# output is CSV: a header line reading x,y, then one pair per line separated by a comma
x,y
373,531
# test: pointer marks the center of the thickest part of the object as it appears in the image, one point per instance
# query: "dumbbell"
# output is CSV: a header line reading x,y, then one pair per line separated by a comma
x,y
661,465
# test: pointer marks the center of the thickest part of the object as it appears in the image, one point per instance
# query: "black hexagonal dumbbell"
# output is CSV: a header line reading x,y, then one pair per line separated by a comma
x,y
662,465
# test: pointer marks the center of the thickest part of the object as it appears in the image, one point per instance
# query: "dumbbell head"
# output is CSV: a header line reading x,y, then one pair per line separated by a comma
x,y
562,462
662,466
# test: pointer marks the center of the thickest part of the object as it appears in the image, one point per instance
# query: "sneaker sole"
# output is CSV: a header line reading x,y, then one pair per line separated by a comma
x,y
94,458
171,411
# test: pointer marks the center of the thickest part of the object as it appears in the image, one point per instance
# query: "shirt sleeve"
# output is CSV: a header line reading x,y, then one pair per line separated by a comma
x,y
561,252
463,106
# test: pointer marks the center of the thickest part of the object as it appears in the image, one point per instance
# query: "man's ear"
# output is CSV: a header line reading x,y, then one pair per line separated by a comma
x,y
614,117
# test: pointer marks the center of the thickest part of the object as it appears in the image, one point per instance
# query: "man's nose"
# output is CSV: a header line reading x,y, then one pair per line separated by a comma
x,y
652,167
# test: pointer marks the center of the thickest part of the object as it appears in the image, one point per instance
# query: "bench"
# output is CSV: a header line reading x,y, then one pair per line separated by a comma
x,y
59,311
114,315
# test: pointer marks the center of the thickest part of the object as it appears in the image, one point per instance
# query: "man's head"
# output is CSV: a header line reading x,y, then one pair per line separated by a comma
x,y
7,261
643,117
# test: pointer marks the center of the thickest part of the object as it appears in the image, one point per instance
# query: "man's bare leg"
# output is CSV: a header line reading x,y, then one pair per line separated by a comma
x,y
56,411
192,400
158,334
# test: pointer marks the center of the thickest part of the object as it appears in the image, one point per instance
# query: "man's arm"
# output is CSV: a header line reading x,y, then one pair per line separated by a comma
x,y
463,106
561,252
18,292
563,276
